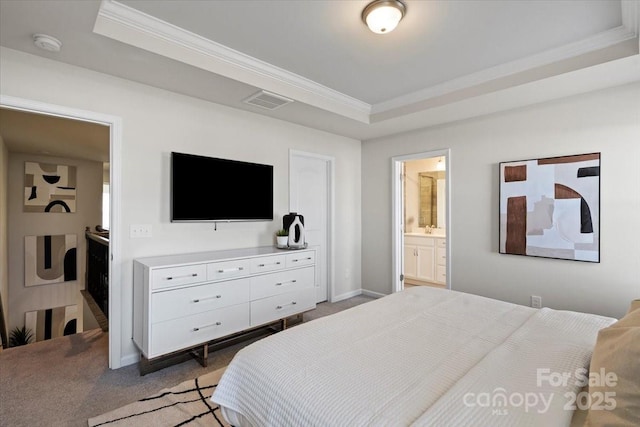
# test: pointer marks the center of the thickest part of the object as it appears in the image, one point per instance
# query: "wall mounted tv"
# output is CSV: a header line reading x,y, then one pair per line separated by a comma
x,y
208,189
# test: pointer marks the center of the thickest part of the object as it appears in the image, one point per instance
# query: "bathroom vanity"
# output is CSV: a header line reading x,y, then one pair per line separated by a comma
x,y
425,258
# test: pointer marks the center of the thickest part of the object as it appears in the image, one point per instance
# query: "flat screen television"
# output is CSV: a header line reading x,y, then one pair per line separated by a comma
x,y
209,189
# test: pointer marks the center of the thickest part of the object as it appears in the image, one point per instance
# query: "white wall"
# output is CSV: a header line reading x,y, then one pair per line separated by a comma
x,y
4,241
88,213
606,121
156,122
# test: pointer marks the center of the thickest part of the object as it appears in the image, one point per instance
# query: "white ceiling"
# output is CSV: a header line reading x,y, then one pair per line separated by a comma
x,y
446,61
326,41
43,135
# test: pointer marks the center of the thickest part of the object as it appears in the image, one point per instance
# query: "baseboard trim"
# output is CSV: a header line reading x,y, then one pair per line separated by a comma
x,y
357,292
129,359
373,294
347,295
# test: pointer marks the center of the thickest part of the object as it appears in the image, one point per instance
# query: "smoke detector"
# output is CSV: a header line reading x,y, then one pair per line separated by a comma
x,y
47,43
267,100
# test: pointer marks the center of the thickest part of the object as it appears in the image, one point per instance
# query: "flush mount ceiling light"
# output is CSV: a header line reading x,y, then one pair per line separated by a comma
x,y
382,16
46,42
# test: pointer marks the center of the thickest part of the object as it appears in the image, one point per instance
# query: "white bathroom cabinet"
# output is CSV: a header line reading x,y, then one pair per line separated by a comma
x,y
425,258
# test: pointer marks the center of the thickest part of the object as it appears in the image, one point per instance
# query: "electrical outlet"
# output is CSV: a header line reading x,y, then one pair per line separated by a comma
x,y
140,230
536,301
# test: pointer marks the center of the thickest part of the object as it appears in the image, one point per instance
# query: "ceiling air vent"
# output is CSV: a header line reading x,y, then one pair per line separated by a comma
x,y
267,100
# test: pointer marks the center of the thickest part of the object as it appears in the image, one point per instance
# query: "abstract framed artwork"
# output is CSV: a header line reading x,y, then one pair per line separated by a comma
x,y
49,188
550,207
52,322
49,259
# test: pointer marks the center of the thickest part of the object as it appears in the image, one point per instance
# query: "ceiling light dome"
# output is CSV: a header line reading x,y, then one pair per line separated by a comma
x,y
382,16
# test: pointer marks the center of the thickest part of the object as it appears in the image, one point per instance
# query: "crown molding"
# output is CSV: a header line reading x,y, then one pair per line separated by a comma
x,y
133,27
630,10
599,41
598,77
130,26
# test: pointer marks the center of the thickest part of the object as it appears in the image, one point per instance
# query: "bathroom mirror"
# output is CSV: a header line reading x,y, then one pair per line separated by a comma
x,y
431,188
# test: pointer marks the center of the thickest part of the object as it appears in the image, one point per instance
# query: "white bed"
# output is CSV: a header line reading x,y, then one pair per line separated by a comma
x,y
420,357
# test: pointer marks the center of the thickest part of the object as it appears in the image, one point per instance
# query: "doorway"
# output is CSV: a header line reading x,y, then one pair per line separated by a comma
x,y
115,139
421,225
311,195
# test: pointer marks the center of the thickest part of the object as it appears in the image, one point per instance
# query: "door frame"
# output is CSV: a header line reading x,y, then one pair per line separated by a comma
x,y
331,168
397,214
115,143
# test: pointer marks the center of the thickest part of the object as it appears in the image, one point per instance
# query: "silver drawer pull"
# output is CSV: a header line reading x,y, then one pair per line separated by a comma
x,y
206,298
273,263
228,270
282,283
207,326
280,307
301,259
182,277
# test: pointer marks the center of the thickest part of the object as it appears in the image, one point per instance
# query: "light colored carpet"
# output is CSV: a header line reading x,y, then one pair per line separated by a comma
x,y
185,404
65,381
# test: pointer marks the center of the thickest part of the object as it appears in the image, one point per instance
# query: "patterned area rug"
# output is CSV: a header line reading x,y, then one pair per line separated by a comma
x,y
186,404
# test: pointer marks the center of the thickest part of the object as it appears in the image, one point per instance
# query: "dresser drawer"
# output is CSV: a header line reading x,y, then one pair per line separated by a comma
x,y
441,256
183,301
266,264
280,306
283,281
172,304
199,328
441,274
298,259
441,243
227,269
176,276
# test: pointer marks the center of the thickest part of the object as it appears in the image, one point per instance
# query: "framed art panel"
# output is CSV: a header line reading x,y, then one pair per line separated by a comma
x,y
49,188
550,207
49,259
52,322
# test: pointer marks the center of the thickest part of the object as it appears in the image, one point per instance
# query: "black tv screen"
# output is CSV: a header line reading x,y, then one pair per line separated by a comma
x,y
212,189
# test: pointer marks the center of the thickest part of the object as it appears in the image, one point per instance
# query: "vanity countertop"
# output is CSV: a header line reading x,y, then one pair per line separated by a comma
x,y
440,235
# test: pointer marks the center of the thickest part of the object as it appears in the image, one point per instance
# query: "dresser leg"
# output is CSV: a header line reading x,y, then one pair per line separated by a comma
x,y
205,356
202,359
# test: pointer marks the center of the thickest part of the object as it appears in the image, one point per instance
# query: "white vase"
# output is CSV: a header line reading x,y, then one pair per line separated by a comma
x,y
282,241
296,227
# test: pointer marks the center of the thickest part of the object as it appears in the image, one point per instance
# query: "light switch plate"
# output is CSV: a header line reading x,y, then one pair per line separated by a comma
x,y
140,230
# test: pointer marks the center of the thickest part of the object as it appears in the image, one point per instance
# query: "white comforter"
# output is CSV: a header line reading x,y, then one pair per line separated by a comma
x,y
420,357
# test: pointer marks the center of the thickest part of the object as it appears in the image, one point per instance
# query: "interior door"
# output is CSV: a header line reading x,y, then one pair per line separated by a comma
x,y
399,182
309,191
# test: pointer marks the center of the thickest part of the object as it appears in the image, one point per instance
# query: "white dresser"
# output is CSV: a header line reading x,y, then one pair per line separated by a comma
x,y
182,301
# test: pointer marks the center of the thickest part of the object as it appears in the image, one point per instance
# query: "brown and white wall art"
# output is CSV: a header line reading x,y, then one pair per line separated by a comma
x,y
50,259
550,207
49,188
52,322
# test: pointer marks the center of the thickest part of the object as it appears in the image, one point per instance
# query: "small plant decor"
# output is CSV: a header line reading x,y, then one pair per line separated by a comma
x,y
282,237
20,336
